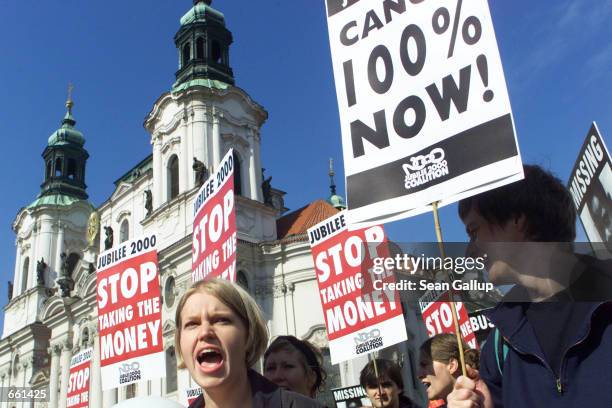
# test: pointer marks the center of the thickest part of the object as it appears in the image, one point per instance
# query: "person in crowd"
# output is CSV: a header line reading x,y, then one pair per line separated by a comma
x,y
552,344
294,364
439,365
220,333
387,389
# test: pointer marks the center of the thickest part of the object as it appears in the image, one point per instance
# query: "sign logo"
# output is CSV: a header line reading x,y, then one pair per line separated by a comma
x,y
365,342
129,372
423,169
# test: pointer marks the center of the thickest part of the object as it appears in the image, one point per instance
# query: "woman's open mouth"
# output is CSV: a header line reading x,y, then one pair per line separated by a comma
x,y
209,360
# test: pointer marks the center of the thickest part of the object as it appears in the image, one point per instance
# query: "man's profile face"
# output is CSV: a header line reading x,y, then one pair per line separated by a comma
x,y
389,396
488,240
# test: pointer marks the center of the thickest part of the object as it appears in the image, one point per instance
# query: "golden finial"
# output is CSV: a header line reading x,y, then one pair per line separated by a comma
x,y
69,102
332,183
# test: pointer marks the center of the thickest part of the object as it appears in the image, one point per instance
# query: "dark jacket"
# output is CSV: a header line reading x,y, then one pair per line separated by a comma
x,y
527,380
268,395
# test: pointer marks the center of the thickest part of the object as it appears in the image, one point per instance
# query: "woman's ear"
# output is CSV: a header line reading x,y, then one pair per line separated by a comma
x,y
453,366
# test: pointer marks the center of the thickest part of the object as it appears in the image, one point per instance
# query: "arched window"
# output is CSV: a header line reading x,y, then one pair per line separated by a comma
x,y
173,177
171,377
237,175
215,51
130,391
71,173
85,338
241,279
200,48
186,54
169,295
124,231
58,167
24,275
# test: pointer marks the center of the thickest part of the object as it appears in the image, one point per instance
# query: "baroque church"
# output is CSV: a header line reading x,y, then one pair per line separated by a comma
x,y
52,312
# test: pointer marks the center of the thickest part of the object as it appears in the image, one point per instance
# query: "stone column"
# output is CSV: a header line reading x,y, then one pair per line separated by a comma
x,y
198,138
253,170
18,270
65,357
95,386
258,180
216,138
60,248
32,267
54,351
185,172
157,173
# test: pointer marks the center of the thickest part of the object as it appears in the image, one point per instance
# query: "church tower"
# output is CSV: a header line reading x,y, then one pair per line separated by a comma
x,y
202,117
51,230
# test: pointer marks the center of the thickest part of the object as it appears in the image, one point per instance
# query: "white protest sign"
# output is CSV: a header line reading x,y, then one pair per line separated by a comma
x,y
77,394
359,319
129,313
424,110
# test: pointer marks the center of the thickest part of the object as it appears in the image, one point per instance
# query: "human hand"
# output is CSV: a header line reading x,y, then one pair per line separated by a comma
x,y
470,392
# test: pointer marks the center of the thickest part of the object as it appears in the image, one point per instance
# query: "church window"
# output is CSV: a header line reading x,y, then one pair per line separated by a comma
x,y
71,169
130,391
171,376
186,54
48,170
237,175
85,337
242,280
71,263
200,48
173,177
24,275
58,167
216,51
169,295
124,231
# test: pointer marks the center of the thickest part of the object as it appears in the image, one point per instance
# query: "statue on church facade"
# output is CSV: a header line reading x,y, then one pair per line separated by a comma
x,y
10,290
41,267
65,281
108,241
148,202
201,172
266,188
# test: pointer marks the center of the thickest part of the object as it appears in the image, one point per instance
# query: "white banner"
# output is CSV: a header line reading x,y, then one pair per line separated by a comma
x,y
424,110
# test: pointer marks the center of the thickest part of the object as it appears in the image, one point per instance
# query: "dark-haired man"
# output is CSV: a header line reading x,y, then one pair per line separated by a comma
x,y
552,345
386,390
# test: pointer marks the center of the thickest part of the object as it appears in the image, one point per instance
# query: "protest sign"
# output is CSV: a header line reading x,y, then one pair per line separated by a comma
x,y
78,380
424,110
590,184
438,317
359,320
214,225
481,326
129,313
192,394
351,397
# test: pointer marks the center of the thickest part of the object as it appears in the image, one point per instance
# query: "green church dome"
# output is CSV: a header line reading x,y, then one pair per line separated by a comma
x,y
67,134
200,11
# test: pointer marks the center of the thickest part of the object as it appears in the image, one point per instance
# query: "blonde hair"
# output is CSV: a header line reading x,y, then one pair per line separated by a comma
x,y
241,303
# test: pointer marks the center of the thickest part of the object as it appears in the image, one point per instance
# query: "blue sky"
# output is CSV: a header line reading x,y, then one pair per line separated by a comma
x,y
120,55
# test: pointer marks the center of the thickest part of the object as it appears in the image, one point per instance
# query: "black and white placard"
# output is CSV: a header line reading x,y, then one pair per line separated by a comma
x,y
590,185
424,110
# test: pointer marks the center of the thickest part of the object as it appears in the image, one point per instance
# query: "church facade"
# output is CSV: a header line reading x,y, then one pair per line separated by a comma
x,y
52,311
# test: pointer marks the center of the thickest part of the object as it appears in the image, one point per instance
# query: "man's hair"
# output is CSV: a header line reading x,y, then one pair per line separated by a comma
x,y
387,370
540,197
241,303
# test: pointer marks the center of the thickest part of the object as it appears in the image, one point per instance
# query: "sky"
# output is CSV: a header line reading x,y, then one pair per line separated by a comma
x,y
120,56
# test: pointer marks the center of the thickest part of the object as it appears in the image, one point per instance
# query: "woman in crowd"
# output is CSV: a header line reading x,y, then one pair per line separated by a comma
x,y
294,364
220,333
439,365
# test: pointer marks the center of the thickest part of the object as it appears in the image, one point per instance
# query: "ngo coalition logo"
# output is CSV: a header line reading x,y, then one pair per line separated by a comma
x,y
129,372
425,168
365,341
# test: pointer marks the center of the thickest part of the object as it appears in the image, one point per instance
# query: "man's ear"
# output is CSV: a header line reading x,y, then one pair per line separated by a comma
x,y
453,366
